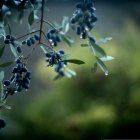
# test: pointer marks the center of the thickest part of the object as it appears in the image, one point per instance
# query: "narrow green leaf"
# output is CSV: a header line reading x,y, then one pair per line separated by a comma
x,y
107,58
94,69
104,40
7,107
13,50
84,45
31,18
57,77
96,48
2,51
75,61
102,65
9,28
1,76
65,24
43,49
7,64
21,15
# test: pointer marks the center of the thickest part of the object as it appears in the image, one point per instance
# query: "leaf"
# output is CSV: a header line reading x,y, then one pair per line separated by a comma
x,y
57,77
94,69
65,25
84,45
104,40
6,64
31,18
66,39
21,15
1,76
102,65
44,49
13,50
107,58
96,48
2,51
71,72
7,107
75,61
9,28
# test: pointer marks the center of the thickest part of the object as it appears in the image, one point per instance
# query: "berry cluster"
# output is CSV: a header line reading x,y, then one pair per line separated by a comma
x,y
11,40
84,18
2,123
53,37
19,80
56,60
31,41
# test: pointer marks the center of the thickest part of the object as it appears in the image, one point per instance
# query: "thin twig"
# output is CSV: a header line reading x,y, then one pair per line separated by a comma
x,y
41,21
27,34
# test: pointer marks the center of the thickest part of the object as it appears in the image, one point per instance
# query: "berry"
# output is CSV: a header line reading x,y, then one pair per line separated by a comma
x,y
58,39
36,37
7,83
23,42
52,31
79,5
6,41
8,37
2,123
78,30
19,49
48,55
92,39
32,40
61,52
29,42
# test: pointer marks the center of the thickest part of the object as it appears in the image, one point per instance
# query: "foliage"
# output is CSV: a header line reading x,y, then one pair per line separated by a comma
x,y
82,22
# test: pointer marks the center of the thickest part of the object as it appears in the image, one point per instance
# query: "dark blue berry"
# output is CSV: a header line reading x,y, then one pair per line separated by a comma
x,y
18,61
29,42
61,52
74,19
19,88
14,70
89,5
6,41
58,38
36,37
48,55
32,40
78,30
49,35
12,38
25,85
54,43
24,42
19,49
2,123
8,36
84,35
52,31
94,18
7,83
79,5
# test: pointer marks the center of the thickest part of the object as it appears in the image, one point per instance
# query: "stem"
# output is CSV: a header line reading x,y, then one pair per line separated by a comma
x,y
47,22
47,39
41,22
27,34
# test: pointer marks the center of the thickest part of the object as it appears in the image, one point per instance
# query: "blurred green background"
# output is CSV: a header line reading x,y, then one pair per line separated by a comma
x,y
90,106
